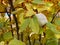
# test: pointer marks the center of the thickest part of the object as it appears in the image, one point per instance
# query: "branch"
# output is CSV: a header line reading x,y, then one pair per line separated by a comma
x,y
54,15
14,16
8,11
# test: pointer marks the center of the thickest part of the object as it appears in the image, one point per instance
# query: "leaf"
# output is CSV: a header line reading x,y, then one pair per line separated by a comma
x,y
41,30
48,4
38,1
2,8
34,25
18,2
52,41
25,24
57,22
52,28
49,34
18,10
29,13
16,42
28,6
57,36
21,17
1,25
7,36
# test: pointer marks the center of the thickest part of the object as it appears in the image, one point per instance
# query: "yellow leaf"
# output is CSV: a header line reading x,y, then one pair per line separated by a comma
x,y
18,2
17,11
2,8
29,13
28,6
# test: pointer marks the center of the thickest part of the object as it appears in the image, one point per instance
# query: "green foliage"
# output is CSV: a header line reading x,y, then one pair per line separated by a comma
x,y
37,1
52,41
52,28
1,25
50,34
25,24
57,22
34,25
1,38
7,36
16,42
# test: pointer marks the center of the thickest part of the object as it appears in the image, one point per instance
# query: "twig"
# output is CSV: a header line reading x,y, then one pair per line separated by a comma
x,y
29,40
21,36
9,15
54,15
14,16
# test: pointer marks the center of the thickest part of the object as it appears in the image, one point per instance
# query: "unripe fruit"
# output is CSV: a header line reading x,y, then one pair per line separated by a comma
x,y
41,19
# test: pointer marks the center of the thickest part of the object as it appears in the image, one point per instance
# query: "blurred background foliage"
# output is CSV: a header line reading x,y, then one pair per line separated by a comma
x,y
29,32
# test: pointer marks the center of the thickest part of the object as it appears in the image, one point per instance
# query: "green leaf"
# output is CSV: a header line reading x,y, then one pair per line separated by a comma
x,y
57,22
51,27
16,42
34,25
7,36
1,25
41,30
52,41
37,1
25,24
49,34
48,4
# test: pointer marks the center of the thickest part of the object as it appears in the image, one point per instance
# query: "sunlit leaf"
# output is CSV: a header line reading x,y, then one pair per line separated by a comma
x,y
18,10
21,17
2,43
51,26
18,2
16,42
59,3
57,36
25,24
28,6
34,25
29,13
48,4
